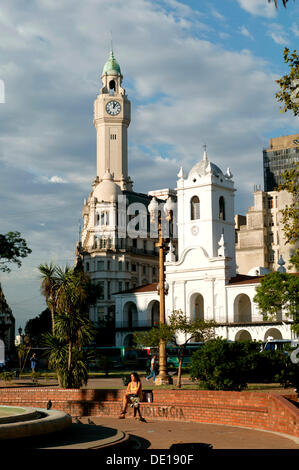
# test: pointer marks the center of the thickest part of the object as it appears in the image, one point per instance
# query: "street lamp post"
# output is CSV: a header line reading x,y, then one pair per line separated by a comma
x,y
163,377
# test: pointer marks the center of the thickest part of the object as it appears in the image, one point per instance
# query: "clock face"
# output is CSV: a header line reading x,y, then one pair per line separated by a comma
x,y
113,108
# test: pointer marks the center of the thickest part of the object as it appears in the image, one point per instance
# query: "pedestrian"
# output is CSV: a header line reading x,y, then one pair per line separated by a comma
x,y
34,362
153,369
134,395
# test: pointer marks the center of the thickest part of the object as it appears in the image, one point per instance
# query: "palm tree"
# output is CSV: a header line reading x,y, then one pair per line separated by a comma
x,y
73,293
49,288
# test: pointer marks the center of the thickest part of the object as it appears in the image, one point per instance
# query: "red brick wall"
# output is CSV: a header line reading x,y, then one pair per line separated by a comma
x,y
249,409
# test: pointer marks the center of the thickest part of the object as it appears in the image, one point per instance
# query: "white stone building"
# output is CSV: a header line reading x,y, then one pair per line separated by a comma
x,y
118,250
201,274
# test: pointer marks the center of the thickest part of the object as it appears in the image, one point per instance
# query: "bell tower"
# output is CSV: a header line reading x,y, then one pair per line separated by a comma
x,y
112,116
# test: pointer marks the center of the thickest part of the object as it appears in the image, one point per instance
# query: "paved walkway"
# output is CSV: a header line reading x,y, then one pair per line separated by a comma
x,y
162,434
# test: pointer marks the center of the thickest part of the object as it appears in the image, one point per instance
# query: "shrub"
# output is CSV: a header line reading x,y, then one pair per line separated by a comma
x,y
220,365
35,376
7,376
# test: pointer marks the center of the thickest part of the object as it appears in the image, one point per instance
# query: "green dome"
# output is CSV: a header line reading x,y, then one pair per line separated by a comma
x,y
112,66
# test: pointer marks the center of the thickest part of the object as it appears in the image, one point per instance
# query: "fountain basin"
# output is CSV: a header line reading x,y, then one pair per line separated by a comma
x,y
20,422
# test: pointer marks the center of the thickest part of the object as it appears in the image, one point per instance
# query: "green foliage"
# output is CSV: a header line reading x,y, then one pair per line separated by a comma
x,y
279,291
70,293
36,327
289,89
12,248
284,2
35,376
290,214
58,353
177,323
23,351
220,365
7,376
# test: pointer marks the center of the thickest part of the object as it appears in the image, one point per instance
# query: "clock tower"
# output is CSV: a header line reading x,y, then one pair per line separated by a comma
x,y
112,116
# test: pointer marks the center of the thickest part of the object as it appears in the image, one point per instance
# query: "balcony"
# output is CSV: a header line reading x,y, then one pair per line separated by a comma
x,y
133,325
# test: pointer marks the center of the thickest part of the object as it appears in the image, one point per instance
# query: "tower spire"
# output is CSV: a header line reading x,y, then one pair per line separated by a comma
x,y
205,155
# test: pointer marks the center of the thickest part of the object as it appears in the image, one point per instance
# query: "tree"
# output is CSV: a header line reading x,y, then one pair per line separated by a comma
x,y
221,365
49,288
289,84
12,248
36,327
279,292
73,293
284,2
177,323
290,214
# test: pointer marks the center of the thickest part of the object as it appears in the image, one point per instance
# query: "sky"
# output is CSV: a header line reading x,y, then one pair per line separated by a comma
x,y
196,72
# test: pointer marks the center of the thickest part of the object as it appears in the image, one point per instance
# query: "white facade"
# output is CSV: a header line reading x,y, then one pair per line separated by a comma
x,y
201,274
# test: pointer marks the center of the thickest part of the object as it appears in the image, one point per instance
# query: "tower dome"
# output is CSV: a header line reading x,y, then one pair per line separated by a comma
x,y
112,66
107,190
204,167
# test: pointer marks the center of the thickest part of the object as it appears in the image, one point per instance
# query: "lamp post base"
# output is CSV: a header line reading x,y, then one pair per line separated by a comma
x,y
163,380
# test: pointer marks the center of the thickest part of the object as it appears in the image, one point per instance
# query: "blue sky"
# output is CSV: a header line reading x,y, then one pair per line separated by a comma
x,y
196,72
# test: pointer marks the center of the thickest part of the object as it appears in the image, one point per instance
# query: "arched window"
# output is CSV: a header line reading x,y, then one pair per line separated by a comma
x,y
221,208
195,208
111,87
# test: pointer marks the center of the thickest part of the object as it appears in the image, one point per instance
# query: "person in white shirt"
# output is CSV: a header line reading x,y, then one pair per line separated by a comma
x,y
153,369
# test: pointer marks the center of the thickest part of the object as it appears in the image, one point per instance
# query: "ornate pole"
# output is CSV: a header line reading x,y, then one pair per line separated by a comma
x,y
163,377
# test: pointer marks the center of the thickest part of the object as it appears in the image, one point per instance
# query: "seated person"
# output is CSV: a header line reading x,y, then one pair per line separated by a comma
x,y
134,391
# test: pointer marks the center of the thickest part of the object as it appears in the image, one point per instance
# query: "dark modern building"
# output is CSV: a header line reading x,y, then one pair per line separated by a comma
x,y
282,155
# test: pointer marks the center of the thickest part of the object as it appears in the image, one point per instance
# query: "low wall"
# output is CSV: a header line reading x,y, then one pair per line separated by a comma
x,y
259,410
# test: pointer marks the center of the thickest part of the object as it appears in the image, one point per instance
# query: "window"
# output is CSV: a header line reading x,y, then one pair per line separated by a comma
x,y
221,208
134,268
120,286
195,208
112,136
127,266
270,202
108,289
100,265
120,266
101,314
101,286
127,285
87,266
144,269
104,218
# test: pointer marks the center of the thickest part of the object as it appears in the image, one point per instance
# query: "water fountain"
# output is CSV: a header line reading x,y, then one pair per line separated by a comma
x,y
19,422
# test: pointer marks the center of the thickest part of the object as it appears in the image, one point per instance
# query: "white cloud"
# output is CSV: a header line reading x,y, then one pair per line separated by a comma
x,y
244,31
295,29
258,7
277,33
57,179
185,90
